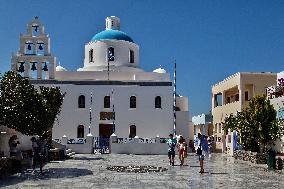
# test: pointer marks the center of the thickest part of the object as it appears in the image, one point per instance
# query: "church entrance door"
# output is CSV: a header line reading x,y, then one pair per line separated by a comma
x,y
102,142
105,130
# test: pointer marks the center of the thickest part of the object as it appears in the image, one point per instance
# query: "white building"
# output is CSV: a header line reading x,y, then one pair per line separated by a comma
x,y
276,96
111,84
203,124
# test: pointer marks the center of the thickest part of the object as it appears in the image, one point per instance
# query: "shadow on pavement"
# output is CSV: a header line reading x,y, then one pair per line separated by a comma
x,y
47,174
218,173
87,158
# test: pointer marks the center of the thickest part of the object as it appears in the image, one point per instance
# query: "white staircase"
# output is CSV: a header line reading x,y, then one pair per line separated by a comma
x,y
69,153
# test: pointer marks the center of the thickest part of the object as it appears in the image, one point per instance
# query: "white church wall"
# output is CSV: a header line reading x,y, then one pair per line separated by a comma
x,y
148,120
113,75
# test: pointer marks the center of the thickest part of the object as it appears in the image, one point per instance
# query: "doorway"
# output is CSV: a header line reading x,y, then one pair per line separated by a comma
x,y
105,130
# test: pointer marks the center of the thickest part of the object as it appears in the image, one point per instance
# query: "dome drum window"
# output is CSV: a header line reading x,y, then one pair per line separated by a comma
x,y
91,55
131,56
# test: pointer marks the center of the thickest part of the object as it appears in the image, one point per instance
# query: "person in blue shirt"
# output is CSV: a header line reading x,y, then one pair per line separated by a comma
x,y
201,147
171,150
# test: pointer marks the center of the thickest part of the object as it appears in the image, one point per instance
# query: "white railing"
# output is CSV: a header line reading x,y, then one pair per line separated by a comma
x,y
141,140
76,141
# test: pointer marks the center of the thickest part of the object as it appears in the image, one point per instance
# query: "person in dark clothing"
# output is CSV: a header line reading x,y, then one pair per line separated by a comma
x,y
37,155
13,142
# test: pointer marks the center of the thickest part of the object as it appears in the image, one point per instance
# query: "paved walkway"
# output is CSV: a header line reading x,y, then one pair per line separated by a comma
x,y
89,171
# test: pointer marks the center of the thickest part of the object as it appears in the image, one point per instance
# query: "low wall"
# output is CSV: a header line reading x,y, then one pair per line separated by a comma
x,y
6,133
138,146
78,145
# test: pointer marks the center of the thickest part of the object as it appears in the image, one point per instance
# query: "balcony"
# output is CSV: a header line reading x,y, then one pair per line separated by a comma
x,y
220,112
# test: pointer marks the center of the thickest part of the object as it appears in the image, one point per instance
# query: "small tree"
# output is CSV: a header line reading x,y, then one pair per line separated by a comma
x,y
26,109
256,123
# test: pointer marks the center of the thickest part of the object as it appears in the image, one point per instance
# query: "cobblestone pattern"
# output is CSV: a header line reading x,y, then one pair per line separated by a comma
x,y
90,171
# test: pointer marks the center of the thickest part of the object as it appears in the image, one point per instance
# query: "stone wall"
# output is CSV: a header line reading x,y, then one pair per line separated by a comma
x,y
253,157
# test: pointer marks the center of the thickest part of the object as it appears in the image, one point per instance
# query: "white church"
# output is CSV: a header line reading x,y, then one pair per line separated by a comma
x,y
110,93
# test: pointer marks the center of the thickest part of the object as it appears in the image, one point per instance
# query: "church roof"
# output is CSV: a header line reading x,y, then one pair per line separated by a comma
x,y
112,34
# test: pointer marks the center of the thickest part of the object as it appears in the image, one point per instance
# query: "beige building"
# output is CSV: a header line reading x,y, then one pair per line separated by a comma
x,y
232,95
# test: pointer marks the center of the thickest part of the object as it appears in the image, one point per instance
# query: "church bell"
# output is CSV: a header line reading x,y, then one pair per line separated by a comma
x,y
33,67
29,47
45,67
21,67
40,47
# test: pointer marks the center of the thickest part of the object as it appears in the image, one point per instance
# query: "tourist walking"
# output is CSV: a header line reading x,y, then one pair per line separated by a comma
x,y
16,154
36,156
171,150
181,145
210,147
201,148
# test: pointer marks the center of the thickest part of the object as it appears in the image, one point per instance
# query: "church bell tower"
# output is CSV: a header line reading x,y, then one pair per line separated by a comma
x,y
34,60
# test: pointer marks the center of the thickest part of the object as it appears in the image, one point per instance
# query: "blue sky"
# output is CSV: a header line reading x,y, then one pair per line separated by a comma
x,y
210,39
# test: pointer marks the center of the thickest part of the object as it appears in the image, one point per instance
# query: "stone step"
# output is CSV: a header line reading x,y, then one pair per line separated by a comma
x,y
68,151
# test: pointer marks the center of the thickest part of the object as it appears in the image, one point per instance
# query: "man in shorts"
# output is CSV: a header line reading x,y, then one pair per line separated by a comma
x,y
171,150
201,148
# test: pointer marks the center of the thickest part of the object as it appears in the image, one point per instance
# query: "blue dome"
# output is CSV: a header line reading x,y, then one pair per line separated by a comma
x,y
112,34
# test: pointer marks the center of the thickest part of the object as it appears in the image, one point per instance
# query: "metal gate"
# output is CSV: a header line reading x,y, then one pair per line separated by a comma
x,y
101,145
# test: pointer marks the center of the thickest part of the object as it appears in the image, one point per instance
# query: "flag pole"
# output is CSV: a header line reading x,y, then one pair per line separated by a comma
x,y
174,128
113,116
91,113
108,68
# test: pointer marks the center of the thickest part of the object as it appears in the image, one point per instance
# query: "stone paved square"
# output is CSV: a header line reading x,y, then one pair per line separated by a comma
x,y
89,171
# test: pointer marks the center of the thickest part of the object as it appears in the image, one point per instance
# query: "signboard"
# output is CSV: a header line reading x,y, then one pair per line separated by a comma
x,y
107,115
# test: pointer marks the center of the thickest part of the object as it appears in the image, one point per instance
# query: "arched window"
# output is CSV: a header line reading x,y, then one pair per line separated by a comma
x,y
133,102
80,131
81,101
107,102
158,102
132,131
131,56
91,52
110,54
